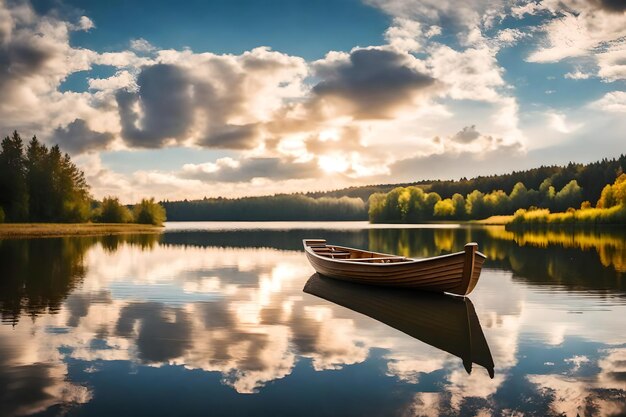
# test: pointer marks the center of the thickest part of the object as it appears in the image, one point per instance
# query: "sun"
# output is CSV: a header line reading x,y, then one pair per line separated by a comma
x,y
333,163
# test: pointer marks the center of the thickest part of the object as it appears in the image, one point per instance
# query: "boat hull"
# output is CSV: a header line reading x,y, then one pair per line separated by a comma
x,y
457,273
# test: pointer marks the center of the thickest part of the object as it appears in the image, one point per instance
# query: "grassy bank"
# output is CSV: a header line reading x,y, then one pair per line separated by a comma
x,y
589,217
494,220
73,229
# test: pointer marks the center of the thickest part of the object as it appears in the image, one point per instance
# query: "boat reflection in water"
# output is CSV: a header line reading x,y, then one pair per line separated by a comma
x,y
443,321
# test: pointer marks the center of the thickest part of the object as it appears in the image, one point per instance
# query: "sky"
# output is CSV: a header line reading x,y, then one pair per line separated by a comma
x,y
178,100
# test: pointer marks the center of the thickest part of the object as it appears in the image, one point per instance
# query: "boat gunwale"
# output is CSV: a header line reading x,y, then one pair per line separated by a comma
x,y
409,261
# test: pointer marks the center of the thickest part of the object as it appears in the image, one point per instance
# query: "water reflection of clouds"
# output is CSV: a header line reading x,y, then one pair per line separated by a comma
x,y
242,313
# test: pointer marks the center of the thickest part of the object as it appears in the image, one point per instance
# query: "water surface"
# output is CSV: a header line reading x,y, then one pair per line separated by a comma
x,y
212,319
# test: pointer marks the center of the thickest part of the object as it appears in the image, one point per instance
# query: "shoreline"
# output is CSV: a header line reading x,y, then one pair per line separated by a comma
x,y
19,230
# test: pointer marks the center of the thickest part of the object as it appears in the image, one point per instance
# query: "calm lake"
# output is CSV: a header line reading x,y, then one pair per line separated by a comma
x,y
211,319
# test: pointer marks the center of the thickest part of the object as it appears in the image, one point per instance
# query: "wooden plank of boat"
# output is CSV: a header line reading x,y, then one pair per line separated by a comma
x,y
445,322
456,273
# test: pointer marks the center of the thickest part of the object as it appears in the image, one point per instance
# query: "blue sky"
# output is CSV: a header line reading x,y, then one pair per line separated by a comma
x,y
183,100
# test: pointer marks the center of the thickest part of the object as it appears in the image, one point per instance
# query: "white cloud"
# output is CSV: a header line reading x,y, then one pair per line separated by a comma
x,y
612,63
580,29
577,75
472,74
405,34
141,45
615,101
559,122
509,36
85,23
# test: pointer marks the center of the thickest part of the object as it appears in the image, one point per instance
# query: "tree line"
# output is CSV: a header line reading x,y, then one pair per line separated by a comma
x,y
590,177
610,209
269,208
413,204
41,184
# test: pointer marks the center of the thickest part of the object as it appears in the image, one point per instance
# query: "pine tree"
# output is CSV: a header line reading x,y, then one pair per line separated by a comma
x,y
37,180
13,190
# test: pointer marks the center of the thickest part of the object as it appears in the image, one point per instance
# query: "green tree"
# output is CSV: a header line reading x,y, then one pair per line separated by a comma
x,y
429,205
417,199
376,203
111,211
458,201
475,205
497,202
38,181
546,193
149,212
392,206
13,190
570,196
519,196
404,201
74,192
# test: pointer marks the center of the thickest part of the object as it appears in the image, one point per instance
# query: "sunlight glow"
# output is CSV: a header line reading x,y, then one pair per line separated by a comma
x,y
333,163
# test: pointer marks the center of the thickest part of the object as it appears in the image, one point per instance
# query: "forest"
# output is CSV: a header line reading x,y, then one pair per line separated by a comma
x,y
412,204
590,177
41,184
270,208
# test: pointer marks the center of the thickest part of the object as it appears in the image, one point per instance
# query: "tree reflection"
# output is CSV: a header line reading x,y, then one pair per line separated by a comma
x,y
580,260
39,274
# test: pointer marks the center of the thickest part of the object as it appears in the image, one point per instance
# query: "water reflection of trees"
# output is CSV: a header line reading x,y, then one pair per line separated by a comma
x,y
578,261
39,274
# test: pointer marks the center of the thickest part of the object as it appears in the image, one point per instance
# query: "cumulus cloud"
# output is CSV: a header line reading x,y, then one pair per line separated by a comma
x,y
141,45
456,14
165,100
583,28
577,75
466,135
616,6
472,74
405,34
615,101
371,83
77,137
85,23
612,63
210,100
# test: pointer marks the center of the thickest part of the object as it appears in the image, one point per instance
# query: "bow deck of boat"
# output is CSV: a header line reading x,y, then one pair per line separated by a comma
x,y
456,273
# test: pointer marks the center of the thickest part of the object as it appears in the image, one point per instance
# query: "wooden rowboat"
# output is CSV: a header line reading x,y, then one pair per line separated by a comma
x,y
442,321
456,273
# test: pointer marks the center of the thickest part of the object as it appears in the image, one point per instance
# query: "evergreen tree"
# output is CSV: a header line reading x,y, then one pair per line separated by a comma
x,y
40,184
74,191
37,180
13,190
